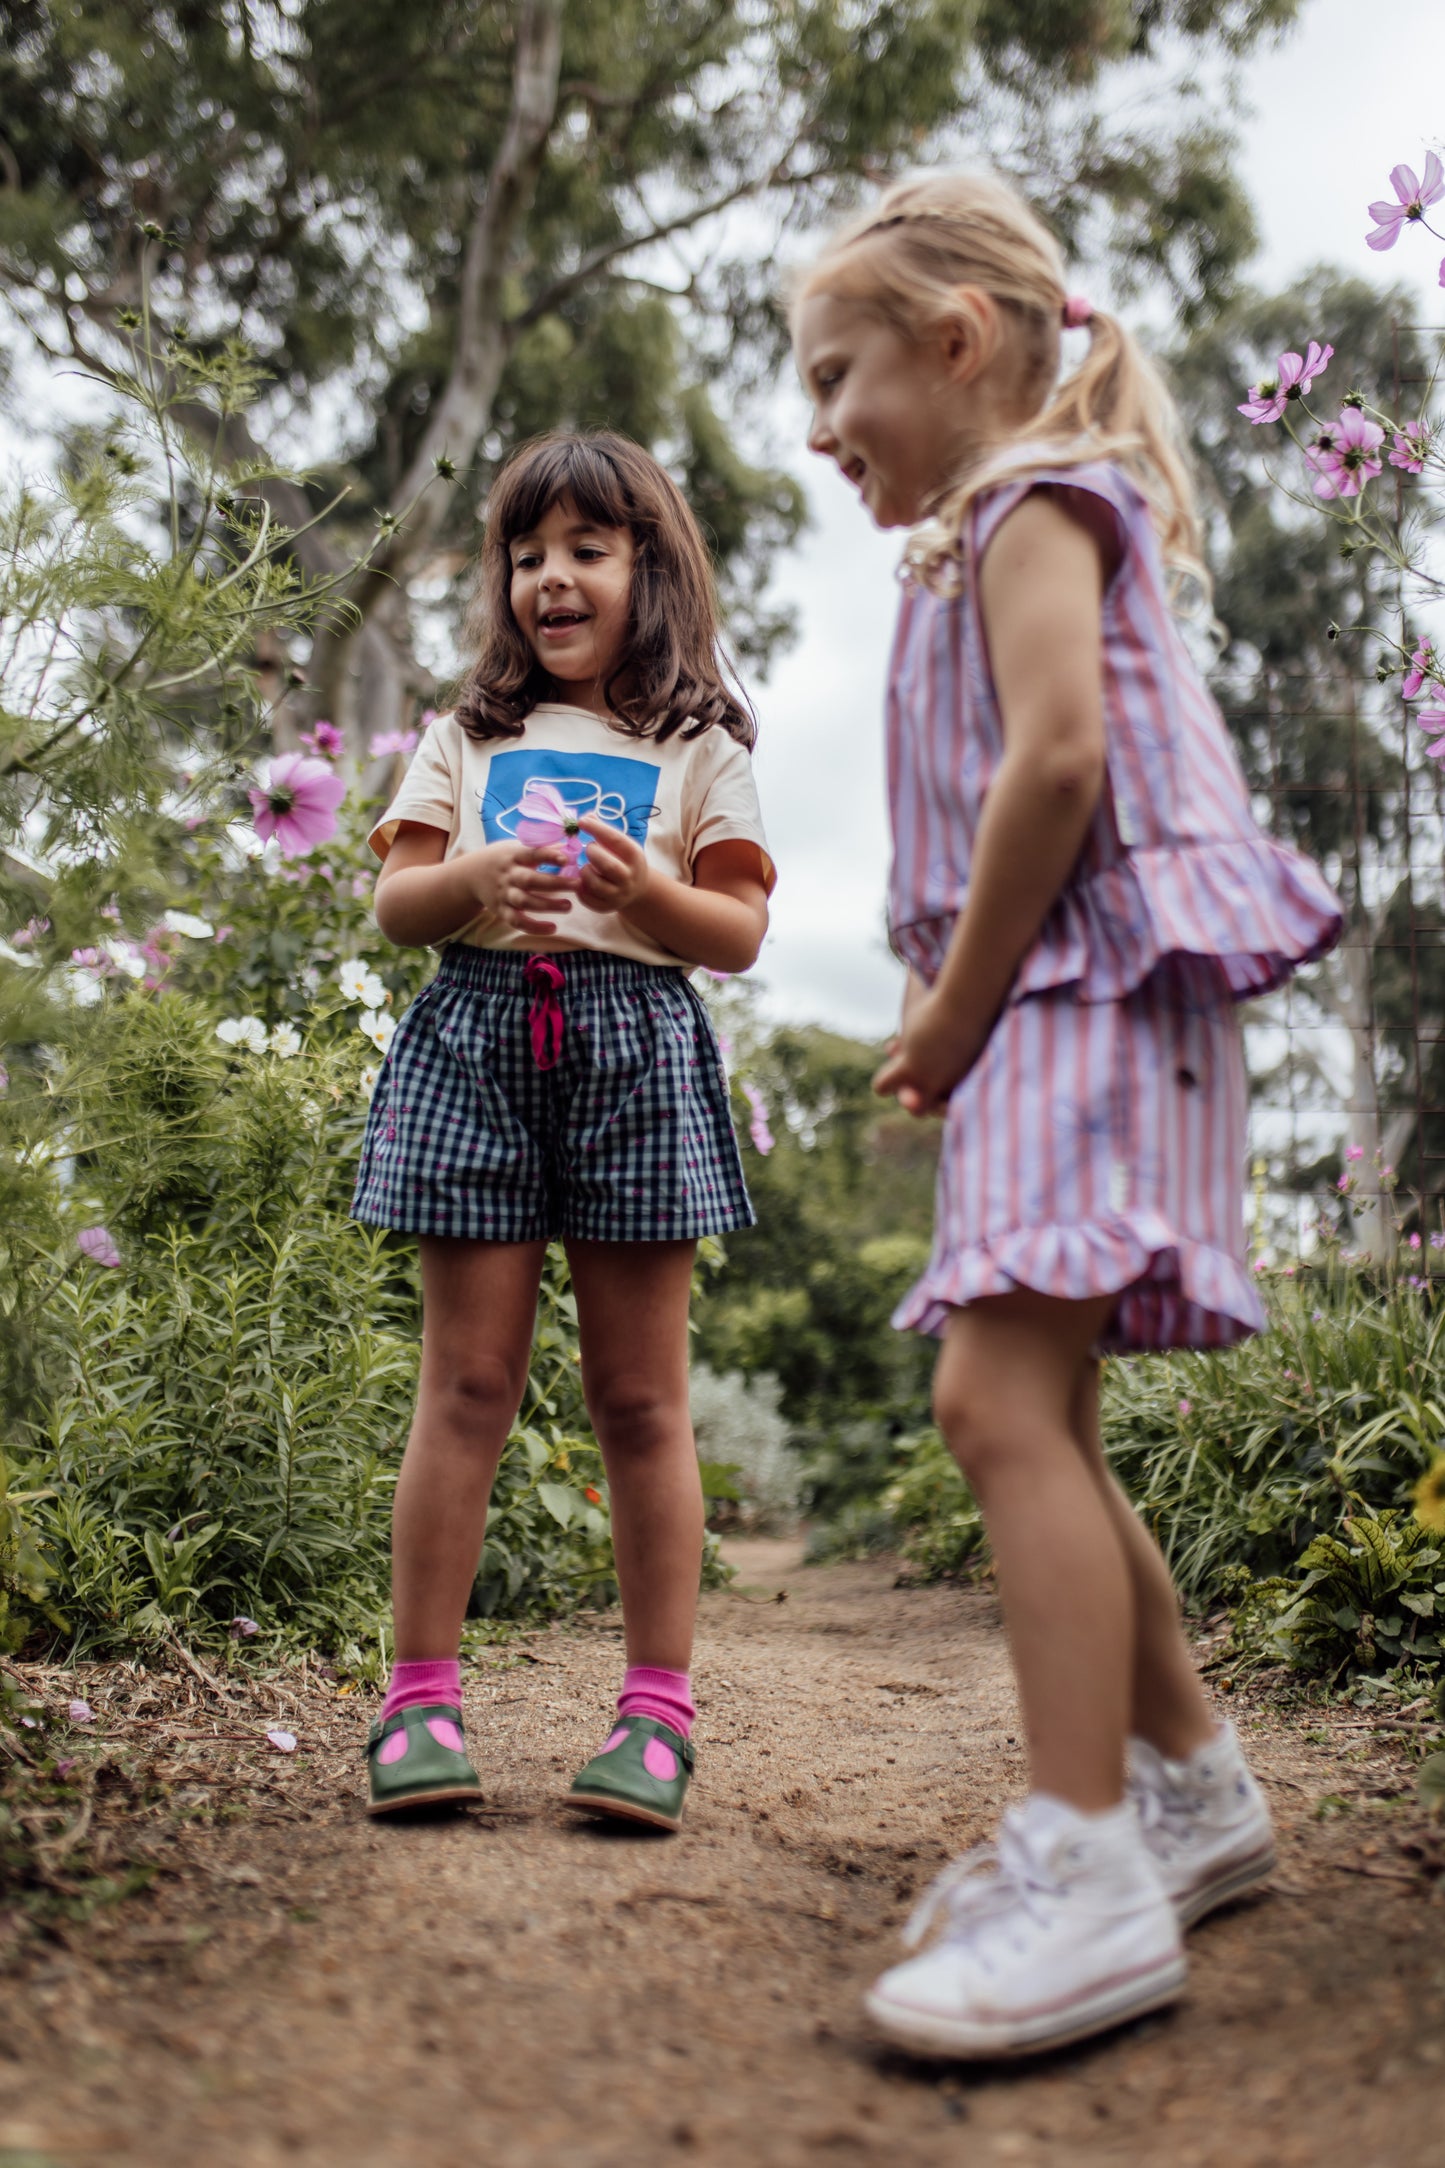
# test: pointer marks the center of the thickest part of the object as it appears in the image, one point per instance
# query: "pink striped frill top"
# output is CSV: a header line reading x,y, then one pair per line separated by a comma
x,y
1174,862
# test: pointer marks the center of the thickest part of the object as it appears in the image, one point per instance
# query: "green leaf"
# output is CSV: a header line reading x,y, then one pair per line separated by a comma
x,y
560,1501
718,1480
1430,1783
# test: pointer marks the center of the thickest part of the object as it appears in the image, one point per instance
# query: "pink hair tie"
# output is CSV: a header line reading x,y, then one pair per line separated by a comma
x,y
1078,311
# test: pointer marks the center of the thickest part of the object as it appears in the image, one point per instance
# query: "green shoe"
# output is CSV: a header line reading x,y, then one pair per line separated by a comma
x,y
618,1781
427,1772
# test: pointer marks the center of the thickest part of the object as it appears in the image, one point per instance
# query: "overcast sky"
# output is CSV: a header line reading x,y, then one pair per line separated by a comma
x,y
1332,112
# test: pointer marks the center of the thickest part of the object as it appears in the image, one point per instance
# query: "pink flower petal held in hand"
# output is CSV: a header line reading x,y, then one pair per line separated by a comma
x,y
546,822
297,803
1413,198
283,1741
96,1244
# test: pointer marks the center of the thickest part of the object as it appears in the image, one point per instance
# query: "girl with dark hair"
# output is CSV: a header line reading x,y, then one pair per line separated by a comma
x,y
578,834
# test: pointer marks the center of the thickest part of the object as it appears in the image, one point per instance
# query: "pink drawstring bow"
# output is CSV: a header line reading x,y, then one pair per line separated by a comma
x,y
544,1017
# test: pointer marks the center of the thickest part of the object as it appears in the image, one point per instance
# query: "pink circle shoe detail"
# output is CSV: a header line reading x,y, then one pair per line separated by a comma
x,y
616,1740
659,1761
392,1749
446,1733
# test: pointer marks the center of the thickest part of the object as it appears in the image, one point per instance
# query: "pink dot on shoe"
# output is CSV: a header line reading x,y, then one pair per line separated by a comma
x,y
446,1733
616,1740
659,1761
392,1749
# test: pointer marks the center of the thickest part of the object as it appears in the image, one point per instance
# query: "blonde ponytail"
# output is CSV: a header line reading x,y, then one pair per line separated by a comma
x,y
908,257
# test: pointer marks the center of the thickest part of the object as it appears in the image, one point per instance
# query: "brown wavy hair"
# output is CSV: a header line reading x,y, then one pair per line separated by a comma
x,y
674,676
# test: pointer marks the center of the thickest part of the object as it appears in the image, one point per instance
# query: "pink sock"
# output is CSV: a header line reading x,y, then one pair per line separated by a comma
x,y
667,1695
412,1684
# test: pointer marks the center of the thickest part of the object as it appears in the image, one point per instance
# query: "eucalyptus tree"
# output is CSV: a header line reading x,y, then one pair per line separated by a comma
x,y
442,227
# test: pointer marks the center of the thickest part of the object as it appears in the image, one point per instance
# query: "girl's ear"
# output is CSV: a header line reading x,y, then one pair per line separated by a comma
x,y
969,334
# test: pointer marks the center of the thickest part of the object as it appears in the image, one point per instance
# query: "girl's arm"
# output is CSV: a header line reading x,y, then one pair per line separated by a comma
x,y
423,896
1041,590
718,920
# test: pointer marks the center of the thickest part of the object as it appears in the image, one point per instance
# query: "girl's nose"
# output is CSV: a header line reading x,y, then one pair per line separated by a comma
x,y
820,436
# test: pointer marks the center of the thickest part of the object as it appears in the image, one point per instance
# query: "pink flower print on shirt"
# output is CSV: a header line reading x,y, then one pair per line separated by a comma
x,y
1294,374
1344,457
1413,198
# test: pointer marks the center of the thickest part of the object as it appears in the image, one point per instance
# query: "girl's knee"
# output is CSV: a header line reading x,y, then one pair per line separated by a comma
x,y
477,1397
632,1413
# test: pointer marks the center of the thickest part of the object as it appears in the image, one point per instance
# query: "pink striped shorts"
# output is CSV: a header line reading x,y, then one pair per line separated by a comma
x,y
1098,1148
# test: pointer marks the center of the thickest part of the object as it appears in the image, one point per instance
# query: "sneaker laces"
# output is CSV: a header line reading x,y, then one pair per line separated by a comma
x,y
967,1896
1166,1808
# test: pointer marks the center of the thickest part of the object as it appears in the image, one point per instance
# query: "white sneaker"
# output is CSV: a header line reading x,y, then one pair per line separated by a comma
x,y
1069,1934
1205,1822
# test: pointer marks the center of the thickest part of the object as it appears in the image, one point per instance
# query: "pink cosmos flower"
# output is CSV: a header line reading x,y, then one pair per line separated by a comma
x,y
4,1080
1293,377
1354,1151
1432,722
545,821
29,933
297,803
1422,665
1414,1242
1413,199
325,740
91,959
758,1128
97,1244
81,1713
283,1741
1186,1407
1343,458
1411,445
388,743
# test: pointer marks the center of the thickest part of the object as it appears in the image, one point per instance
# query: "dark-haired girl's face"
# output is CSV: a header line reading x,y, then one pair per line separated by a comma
x,y
571,594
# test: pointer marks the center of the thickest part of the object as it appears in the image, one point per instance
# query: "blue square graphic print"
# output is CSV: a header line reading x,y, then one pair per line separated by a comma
x,y
619,790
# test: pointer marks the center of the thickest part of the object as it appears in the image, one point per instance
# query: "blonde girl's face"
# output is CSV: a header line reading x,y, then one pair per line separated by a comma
x,y
891,413
571,594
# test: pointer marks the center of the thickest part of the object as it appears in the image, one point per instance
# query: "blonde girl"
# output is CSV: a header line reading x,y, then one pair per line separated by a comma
x,y
1081,896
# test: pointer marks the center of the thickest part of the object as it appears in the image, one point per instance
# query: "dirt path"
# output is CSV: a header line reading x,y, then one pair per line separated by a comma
x,y
516,1987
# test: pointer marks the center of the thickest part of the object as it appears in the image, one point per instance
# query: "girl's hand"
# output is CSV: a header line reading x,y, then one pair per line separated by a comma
x,y
933,1053
518,883
615,874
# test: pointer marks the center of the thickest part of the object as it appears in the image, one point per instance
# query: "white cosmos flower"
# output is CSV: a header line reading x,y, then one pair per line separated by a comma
x,y
195,929
358,982
379,1028
247,1031
285,1040
368,1079
126,957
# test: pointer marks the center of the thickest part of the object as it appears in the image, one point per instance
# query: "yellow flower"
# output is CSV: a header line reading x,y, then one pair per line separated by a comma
x,y
1429,1495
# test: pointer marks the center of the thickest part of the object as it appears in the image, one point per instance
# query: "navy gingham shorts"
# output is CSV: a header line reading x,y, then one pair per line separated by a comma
x,y
626,1137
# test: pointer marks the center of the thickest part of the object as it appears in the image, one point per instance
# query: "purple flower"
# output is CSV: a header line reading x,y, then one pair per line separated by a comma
x,y
91,959
29,933
81,1713
325,740
1354,1151
283,1741
1413,199
387,744
1422,665
1293,377
1437,1242
96,1244
1411,445
1344,455
758,1128
1414,1242
243,1628
297,803
1186,1407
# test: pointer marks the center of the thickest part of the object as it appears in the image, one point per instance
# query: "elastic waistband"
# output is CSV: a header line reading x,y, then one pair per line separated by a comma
x,y
504,970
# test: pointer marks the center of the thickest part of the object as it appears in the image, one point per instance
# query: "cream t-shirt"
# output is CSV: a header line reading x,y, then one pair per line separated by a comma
x,y
674,798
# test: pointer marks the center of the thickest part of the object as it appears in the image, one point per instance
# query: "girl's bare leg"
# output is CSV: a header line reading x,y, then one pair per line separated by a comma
x,y
479,1306
1005,1393
632,1304
1168,1704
